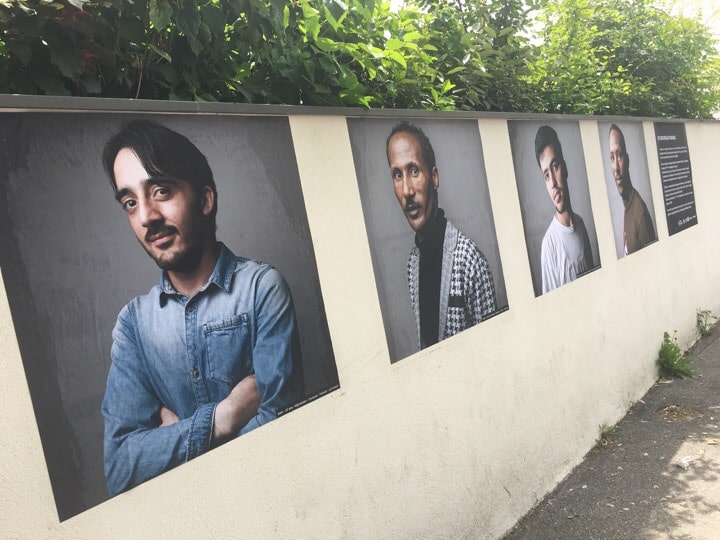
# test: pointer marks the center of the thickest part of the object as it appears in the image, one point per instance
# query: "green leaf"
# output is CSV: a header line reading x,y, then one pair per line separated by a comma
x,y
160,13
321,89
334,24
315,27
278,5
214,18
188,20
398,58
157,50
412,36
67,58
195,45
348,79
204,35
327,44
394,44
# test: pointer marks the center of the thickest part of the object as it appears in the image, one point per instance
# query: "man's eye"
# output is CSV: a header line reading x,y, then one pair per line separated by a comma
x,y
161,191
415,171
129,204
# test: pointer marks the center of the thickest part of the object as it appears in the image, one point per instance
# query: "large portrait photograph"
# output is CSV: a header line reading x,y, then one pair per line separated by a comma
x,y
429,221
554,201
627,179
163,287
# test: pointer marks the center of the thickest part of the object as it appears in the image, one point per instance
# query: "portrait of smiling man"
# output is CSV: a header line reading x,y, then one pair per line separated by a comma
x,y
212,351
450,282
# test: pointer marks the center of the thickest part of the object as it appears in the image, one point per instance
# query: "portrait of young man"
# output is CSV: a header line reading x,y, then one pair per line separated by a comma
x,y
555,202
429,221
165,299
628,186
212,351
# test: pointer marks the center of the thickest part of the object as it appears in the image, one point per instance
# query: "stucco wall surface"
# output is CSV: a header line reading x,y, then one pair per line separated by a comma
x,y
457,440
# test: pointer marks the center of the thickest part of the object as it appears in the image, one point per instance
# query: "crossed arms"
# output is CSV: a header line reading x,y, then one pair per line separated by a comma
x,y
149,429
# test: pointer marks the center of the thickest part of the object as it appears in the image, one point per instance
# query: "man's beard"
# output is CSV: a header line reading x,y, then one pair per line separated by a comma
x,y
187,260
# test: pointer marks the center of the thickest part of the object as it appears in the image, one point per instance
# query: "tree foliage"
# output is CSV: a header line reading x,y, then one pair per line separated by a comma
x,y
625,57
330,52
595,56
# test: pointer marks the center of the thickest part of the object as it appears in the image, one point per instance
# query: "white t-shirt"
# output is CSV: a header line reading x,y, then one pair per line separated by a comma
x,y
565,253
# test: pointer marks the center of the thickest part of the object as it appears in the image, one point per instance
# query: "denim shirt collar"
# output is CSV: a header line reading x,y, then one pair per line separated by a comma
x,y
222,276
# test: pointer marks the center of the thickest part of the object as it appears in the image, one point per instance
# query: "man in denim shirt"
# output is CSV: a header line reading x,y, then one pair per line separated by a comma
x,y
212,351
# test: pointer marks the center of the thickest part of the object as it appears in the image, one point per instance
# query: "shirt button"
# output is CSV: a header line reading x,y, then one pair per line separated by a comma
x,y
195,373
191,309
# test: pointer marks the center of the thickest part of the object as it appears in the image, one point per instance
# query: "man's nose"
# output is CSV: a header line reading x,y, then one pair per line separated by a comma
x,y
408,187
148,213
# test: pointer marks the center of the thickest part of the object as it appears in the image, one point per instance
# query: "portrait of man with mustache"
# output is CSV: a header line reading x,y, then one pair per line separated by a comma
x,y
209,353
451,286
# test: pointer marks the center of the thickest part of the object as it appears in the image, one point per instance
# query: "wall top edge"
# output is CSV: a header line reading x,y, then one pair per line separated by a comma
x,y
10,103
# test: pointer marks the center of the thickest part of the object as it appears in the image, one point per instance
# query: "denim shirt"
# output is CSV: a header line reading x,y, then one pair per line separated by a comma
x,y
187,354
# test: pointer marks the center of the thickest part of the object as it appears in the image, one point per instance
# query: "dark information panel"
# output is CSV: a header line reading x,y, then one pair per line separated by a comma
x,y
676,176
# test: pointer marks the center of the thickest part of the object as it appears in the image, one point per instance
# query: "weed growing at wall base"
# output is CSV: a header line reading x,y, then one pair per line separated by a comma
x,y
705,321
671,360
607,435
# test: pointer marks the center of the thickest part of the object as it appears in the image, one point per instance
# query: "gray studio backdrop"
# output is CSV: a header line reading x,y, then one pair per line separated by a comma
x,y
70,262
639,175
463,194
535,204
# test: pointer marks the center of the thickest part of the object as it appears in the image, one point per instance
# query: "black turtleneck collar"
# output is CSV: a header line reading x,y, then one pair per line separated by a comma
x,y
431,256
433,233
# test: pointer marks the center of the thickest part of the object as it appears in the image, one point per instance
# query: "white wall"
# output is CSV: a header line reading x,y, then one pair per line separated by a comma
x,y
460,439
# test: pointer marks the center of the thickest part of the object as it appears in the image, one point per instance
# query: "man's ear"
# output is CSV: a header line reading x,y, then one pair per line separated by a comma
x,y
436,178
565,171
208,200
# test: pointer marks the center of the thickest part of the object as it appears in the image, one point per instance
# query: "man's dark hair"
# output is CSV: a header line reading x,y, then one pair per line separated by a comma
x,y
547,136
426,149
614,127
164,153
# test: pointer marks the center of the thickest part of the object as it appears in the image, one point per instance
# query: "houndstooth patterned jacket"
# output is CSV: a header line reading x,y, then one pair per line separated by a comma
x,y
467,293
